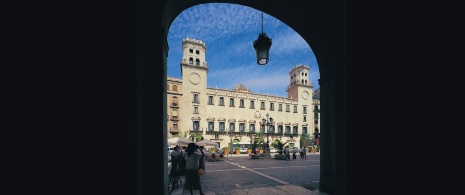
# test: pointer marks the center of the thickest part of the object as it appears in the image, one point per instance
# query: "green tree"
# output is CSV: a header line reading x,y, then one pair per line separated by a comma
x,y
198,136
304,140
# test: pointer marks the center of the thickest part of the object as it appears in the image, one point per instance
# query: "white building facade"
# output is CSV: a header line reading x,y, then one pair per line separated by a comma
x,y
236,115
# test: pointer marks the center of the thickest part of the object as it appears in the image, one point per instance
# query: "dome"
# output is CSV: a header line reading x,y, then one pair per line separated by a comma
x,y
241,87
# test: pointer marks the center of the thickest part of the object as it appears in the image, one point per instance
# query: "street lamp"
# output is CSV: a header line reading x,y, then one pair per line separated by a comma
x,y
262,47
268,122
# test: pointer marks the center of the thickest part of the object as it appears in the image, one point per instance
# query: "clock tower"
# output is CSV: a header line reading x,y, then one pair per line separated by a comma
x,y
194,83
299,87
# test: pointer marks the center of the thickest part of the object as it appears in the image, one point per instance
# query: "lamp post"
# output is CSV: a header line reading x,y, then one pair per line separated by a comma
x,y
268,122
262,47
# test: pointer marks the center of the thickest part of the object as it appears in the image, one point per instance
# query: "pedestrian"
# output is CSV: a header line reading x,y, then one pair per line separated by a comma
x,y
288,154
304,152
293,153
301,152
202,159
182,161
174,159
192,168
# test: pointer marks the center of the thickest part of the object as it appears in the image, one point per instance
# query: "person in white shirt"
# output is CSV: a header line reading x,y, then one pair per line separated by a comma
x,y
288,154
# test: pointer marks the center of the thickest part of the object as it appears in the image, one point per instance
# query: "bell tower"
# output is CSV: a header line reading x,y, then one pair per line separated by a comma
x,y
299,86
194,80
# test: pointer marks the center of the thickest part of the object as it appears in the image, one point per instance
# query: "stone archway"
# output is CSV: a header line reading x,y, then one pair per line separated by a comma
x,y
322,24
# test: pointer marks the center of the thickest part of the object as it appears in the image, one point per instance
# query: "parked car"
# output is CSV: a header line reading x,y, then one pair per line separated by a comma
x,y
272,150
243,150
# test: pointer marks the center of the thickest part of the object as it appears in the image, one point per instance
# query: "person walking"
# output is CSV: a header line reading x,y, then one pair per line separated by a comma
x,y
304,152
288,154
301,153
294,150
192,168
182,160
175,154
202,159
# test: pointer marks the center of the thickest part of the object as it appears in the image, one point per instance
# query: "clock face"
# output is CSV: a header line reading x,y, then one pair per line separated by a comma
x,y
305,94
194,78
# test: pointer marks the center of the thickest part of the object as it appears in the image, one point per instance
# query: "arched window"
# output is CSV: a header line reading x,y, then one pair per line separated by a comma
x,y
191,51
175,88
197,62
191,61
302,81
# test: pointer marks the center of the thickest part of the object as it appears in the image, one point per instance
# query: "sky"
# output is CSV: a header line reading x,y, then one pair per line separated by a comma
x,y
228,31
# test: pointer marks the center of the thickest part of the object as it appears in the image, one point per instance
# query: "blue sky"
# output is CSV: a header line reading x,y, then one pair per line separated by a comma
x,y
228,31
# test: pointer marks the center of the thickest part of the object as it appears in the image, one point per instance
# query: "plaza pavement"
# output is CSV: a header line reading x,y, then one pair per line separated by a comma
x,y
240,175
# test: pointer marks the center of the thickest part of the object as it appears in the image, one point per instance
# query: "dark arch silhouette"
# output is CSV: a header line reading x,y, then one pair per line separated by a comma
x,y
322,24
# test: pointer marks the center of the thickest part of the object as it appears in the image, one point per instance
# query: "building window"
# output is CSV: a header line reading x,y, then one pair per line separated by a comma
x,y
191,61
252,104
304,130
174,114
262,128
305,74
305,119
197,62
210,100
231,126
271,106
196,110
175,88
271,129
305,110
195,98
316,122
191,51
216,136
288,109
174,101
316,116
280,129
288,129
294,129
280,107
231,102
221,101
175,127
252,128
262,105
302,81
241,127
211,126
241,102
316,108
295,109
196,125
197,52
221,126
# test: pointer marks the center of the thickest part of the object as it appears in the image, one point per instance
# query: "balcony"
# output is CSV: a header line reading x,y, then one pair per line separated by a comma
x,y
192,130
174,118
174,105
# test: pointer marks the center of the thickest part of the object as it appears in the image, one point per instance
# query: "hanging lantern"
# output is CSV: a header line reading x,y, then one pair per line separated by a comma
x,y
262,47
